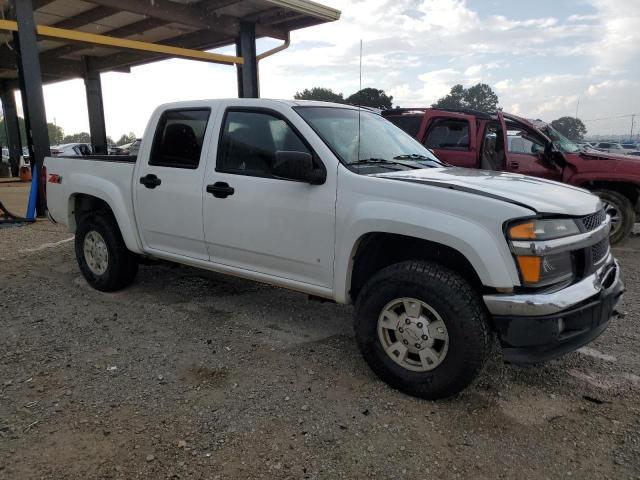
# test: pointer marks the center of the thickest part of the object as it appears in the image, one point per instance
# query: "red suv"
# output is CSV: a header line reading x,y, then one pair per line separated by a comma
x,y
508,143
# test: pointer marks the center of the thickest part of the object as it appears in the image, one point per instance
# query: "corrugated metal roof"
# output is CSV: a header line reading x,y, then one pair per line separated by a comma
x,y
193,24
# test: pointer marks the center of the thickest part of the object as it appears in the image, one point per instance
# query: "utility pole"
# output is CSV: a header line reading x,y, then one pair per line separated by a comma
x,y
633,118
577,105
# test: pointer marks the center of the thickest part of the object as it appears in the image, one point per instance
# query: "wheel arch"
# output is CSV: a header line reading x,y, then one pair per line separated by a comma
x,y
82,203
629,189
376,250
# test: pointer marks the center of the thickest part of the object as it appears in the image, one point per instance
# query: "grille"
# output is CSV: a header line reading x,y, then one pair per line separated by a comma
x,y
590,222
599,250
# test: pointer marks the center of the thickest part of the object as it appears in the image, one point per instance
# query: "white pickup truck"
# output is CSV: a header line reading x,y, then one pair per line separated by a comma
x,y
338,203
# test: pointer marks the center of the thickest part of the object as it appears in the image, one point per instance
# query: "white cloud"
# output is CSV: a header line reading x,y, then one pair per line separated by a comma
x,y
415,50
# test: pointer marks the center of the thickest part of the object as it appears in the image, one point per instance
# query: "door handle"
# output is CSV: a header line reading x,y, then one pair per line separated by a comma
x,y
150,181
220,189
514,165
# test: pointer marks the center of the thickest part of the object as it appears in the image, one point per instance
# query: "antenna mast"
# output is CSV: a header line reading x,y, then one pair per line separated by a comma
x,y
359,103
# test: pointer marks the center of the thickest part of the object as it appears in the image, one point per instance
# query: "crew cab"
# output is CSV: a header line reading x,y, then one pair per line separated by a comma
x,y
473,139
338,203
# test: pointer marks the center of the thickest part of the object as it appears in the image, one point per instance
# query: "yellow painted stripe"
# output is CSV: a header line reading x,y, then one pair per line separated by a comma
x,y
93,38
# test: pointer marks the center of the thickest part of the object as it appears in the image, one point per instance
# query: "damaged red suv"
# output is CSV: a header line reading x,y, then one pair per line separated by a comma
x,y
505,142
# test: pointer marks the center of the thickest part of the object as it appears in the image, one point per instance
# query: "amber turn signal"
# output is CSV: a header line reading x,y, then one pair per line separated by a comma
x,y
523,231
530,268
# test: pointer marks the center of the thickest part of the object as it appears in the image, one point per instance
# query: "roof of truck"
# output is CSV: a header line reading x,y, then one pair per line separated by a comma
x,y
258,102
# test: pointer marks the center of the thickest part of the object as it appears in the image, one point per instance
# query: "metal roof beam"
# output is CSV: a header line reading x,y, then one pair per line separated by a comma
x,y
174,12
196,40
135,28
193,16
85,18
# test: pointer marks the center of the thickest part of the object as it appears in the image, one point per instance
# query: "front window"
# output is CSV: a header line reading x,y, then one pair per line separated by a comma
x,y
361,136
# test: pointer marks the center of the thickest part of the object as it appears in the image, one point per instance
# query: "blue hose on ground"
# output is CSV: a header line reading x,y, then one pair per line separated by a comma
x,y
33,194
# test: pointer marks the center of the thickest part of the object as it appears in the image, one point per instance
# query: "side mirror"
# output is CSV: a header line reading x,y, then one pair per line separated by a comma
x,y
297,166
553,156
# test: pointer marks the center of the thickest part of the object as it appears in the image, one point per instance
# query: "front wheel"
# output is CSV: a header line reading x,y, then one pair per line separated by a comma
x,y
422,329
622,214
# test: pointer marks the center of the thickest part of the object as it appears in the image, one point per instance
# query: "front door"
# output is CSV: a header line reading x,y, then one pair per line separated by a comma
x,y
169,188
526,151
256,222
452,137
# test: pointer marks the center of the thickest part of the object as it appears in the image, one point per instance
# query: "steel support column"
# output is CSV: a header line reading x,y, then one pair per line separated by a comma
x,y
248,85
93,87
32,94
12,127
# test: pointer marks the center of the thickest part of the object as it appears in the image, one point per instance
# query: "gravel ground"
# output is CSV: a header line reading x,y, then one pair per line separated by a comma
x,y
190,374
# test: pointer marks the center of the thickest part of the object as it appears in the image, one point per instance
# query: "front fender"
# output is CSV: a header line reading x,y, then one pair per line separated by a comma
x,y
483,246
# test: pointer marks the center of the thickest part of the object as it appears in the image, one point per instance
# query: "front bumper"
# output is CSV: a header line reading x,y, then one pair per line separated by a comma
x,y
539,327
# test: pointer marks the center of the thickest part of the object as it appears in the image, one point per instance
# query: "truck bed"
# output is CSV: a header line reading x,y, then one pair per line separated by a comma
x,y
108,177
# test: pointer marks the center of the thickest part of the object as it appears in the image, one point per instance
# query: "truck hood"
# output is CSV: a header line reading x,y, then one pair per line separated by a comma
x,y
593,154
540,195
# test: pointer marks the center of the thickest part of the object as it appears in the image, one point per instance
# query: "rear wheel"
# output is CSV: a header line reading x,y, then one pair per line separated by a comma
x,y
421,328
102,255
622,214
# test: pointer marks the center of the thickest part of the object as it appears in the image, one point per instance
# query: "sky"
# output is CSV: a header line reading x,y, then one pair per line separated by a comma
x,y
545,59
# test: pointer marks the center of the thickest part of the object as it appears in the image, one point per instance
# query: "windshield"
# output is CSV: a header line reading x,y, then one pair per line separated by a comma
x,y
561,142
341,128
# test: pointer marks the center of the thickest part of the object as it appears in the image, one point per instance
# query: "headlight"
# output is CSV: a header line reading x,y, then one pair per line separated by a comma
x,y
539,271
545,229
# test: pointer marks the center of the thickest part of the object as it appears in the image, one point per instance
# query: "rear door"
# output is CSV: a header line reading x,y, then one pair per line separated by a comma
x,y
257,222
169,186
452,137
525,151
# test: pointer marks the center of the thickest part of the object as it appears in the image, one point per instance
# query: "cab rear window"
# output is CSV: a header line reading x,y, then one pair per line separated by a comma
x,y
179,137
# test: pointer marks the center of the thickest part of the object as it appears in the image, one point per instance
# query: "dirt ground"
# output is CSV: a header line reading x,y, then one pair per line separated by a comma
x,y
14,195
190,374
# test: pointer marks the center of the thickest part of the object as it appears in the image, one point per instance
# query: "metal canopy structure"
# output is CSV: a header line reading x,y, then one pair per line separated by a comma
x,y
45,41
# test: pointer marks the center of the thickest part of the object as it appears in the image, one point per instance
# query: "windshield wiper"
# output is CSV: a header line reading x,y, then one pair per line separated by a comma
x,y
411,156
374,160
420,158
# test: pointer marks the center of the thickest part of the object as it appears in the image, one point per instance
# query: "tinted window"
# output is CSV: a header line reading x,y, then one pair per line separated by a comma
x,y
250,140
178,139
448,135
408,123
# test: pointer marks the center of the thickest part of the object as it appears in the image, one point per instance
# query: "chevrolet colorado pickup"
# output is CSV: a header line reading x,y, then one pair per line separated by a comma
x,y
468,138
338,203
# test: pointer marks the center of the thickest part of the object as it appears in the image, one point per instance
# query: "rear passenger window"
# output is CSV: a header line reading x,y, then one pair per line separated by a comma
x,y
178,139
250,140
448,135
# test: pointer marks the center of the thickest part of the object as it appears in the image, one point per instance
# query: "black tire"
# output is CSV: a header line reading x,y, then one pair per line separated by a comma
x,y
617,203
458,305
122,265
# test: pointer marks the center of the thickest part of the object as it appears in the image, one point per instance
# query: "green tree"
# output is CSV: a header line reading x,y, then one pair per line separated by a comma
x,y
477,97
81,137
371,97
455,98
56,134
570,127
319,94
126,138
